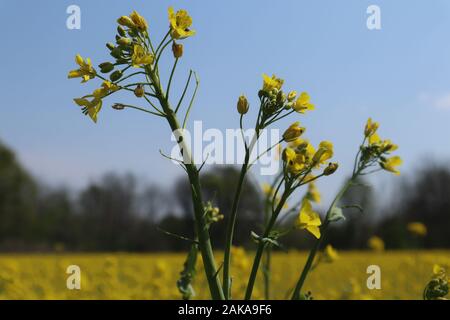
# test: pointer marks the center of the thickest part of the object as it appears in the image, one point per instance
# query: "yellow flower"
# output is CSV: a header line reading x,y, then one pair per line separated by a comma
x,y
324,152
387,146
293,132
179,24
417,228
390,164
106,88
330,254
313,193
371,127
438,271
289,155
376,243
86,71
271,83
303,103
92,108
374,139
308,219
267,189
141,56
295,161
298,164
139,21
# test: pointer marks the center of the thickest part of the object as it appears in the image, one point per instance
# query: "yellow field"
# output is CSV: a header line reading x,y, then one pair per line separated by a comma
x,y
153,276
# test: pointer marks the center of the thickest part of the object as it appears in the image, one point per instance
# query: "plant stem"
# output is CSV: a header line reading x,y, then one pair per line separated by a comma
x,y
232,221
261,245
230,229
204,241
318,242
267,272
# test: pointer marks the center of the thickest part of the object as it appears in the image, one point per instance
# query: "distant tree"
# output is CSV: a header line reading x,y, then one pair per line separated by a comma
x,y
17,202
424,198
107,208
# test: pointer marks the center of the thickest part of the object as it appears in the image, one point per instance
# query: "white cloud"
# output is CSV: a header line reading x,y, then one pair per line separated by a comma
x,y
439,102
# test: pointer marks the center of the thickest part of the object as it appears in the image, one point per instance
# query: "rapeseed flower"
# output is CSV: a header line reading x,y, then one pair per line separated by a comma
x,y
180,22
308,219
86,71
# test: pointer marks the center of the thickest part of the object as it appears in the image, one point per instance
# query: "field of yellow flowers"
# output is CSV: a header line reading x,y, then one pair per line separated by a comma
x,y
153,276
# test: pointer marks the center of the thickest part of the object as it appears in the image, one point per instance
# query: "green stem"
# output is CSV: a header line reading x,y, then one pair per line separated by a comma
x,y
204,240
230,229
318,242
232,221
267,272
261,245
170,79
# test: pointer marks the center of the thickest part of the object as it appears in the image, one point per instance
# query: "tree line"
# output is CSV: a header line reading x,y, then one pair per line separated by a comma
x,y
117,213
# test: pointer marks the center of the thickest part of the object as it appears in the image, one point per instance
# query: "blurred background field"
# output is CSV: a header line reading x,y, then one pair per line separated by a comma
x,y
153,276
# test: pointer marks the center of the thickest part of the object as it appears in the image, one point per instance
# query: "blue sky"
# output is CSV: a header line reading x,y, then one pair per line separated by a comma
x,y
399,75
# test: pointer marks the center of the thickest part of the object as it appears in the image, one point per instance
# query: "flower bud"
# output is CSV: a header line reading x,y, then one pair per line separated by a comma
x,y
139,91
242,105
177,49
116,75
106,67
281,97
293,132
126,21
116,52
121,31
124,41
371,127
110,46
291,96
332,167
118,106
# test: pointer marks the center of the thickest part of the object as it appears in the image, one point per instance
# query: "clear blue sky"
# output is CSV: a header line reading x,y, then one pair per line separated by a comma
x,y
399,75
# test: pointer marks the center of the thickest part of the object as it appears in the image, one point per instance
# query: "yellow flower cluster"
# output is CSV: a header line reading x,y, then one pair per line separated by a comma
x,y
272,89
417,228
301,156
377,150
376,244
133,48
